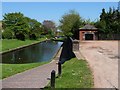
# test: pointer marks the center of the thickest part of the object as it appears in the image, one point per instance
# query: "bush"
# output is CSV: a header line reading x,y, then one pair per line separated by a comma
x,y
34,36
20,36
7,34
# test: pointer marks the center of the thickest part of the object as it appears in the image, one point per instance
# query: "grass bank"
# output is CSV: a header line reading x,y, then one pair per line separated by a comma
x,y
75,74
11,69
9,44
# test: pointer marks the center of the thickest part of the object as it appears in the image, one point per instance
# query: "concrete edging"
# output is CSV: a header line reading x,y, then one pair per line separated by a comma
x,y
24,46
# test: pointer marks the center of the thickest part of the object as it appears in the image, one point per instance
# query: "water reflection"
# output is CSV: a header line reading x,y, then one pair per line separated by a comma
x,y
37,53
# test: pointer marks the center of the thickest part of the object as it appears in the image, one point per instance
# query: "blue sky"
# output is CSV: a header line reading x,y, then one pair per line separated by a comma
x,y
54,10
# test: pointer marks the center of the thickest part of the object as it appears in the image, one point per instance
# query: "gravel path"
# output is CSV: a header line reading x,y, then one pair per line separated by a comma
x,y
102,57
34,78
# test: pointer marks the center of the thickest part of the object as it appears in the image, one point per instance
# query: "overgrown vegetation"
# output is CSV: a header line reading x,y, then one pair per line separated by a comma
x,y
18,26
75,74
109,24
70,23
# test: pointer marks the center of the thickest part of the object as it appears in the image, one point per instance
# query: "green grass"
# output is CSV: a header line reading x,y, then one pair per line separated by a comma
x,y
0,71
75,74
11,69
8,44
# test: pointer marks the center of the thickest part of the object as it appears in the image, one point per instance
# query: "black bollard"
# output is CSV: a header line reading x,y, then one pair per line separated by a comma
x,y
59,68
53,79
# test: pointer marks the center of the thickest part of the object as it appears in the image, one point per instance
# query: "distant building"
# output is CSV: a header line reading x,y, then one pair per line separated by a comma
x,y
88,32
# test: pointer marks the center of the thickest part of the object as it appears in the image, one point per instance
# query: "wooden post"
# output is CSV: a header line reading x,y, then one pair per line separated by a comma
x,y
53,79
59,68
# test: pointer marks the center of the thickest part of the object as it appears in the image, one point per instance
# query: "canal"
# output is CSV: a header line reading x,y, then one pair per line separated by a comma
x,y
40,52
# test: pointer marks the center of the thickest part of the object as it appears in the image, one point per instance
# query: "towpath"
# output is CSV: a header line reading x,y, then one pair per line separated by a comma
x,y
103,58
34,78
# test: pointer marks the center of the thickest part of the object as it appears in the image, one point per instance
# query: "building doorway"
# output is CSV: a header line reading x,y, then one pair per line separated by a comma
x,y
88,36
88,32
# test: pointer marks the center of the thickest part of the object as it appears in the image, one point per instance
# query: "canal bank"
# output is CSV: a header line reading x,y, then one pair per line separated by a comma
x,y
11,69
40,52
35,78
23,46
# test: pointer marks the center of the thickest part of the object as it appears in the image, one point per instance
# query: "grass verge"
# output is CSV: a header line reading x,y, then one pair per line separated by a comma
x,y
8,44
11,69
75,74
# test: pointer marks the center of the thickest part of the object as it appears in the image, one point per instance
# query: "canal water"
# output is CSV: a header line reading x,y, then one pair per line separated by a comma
x,y
40,52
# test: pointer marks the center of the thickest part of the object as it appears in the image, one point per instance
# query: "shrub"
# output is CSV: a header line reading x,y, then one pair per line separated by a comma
x,y
33,36
7,34
20,36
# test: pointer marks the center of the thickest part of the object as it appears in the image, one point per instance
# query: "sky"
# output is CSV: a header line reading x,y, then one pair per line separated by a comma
x,y
55,10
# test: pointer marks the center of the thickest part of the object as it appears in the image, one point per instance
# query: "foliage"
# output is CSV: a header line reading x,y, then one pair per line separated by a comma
x,y
109,23
35,28
16,23
0,25
21,26
49,27
70,22
8,34
51,33
88,21
20,36
33,36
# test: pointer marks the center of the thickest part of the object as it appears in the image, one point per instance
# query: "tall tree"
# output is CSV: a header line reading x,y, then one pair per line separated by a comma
x,y
70,22
35,28
109,23
16,23
49,27
21,27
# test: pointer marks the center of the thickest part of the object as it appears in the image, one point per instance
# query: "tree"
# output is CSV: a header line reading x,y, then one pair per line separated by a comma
x,y
1,30
70,22
0,25
7,34
35,28
16,23
109,24
21,26
49,27
88,21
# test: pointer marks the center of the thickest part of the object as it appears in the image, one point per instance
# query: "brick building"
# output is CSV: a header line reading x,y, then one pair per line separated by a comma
x,y
88,32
